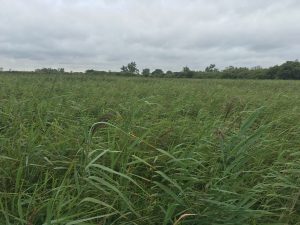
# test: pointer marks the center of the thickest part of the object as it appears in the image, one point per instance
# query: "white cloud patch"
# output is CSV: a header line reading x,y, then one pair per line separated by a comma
x,y
167,34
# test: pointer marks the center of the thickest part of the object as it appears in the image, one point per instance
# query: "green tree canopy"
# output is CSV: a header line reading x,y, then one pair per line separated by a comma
x,y
211,68
130,68
157,73
146,72
287,71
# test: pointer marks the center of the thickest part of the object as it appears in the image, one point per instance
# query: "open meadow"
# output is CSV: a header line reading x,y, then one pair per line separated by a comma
x,y
92,150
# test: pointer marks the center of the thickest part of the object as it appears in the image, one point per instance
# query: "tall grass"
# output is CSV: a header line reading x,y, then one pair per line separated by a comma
x,y
170,151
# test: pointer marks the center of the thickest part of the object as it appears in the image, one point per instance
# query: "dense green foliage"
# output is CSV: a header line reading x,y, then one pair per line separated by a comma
x,y
131,68
287,71
86,149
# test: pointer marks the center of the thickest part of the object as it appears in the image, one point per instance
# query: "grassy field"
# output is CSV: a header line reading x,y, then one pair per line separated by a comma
x,y
100,151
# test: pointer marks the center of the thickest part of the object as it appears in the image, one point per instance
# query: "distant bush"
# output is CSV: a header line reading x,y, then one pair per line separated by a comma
x,y
50,70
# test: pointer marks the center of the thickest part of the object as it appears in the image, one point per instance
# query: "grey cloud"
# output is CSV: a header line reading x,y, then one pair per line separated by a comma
x,y
167,34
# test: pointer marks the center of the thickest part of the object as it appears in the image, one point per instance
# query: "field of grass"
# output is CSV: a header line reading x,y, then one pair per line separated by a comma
x,y
100,151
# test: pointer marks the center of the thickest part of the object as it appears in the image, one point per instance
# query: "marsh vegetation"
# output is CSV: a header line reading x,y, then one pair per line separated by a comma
x,y
84,149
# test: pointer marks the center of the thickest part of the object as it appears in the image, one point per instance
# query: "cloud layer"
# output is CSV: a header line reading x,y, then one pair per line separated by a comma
x,y
167,34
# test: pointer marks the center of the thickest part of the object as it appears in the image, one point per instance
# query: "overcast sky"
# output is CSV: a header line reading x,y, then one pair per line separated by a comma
x,y
166,34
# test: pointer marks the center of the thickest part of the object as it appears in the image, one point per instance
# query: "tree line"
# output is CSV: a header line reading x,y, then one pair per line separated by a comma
x,y
289,70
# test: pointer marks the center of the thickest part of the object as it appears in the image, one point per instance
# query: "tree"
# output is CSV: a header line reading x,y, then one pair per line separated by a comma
x,y
169,73
90,71
130,68
211,68
61,70
288,70
157,73
186,69
146,72
187,72
124,69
